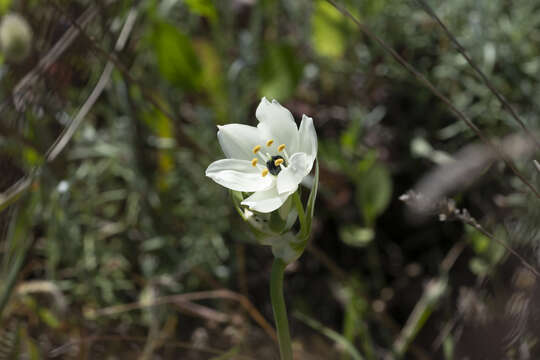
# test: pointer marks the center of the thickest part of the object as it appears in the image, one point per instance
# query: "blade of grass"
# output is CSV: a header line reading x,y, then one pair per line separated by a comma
x,y
331,334
18,241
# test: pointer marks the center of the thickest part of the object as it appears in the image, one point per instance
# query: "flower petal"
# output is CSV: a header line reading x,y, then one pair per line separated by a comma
x,y
289,177
307,140
265,201
239,175
277,123
238,140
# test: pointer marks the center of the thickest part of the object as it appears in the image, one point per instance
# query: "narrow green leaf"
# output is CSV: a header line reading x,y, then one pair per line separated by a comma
x,y
331,334
312,197
375,192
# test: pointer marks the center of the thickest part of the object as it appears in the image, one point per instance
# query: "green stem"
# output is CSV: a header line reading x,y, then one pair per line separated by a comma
x,y
301,214
280,311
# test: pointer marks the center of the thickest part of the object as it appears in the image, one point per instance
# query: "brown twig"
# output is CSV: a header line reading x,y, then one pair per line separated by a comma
x,y
466,218
167,343
447,210
436,92
194,296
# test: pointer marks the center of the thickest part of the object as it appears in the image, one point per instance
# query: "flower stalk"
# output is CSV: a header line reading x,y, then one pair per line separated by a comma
x,y
280,310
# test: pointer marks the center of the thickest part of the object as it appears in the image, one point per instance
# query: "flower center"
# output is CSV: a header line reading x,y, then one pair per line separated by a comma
x,y
274,164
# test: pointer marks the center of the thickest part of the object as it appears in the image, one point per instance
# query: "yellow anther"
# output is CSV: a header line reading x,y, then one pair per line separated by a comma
x,y
264,172
281,147
269,142
256,149
254,161
278,162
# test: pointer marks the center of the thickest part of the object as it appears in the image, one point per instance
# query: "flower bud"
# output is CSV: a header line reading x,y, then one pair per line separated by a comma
x,y
15,38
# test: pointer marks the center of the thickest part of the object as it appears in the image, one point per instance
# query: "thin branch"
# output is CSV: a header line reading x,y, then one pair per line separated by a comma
x,y
15,190
506,105
23,86
69,131
148,95
447,210
436,92
466,218
194,296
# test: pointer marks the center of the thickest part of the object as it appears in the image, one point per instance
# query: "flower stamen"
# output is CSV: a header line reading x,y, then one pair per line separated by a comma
x,y
269,142
281,147
256,149
254,162
278,162
265,172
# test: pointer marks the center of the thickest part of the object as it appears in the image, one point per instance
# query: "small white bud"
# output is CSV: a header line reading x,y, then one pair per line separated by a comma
x,y
15,37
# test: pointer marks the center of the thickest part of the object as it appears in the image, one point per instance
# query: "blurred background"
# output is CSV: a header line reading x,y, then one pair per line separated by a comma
x,y
114,244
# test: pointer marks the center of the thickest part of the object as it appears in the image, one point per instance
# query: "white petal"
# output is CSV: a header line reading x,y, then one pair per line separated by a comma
x,y
289,177
277,123
265,201
238,140
239,175
307,140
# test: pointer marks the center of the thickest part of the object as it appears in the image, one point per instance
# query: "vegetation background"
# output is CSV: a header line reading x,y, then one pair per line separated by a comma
x,y
114,245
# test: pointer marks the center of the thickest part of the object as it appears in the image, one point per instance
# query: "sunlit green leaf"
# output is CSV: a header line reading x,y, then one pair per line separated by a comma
x,y
328,35
177,60
4,6
213,80
356,236
280,71
203,7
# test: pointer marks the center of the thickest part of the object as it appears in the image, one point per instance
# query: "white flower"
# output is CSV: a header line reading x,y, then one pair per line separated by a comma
x,y
269,160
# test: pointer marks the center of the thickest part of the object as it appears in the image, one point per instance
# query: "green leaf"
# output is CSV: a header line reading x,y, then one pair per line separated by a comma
x,y
203,8
375,192
280,71
356,236
4,6
49,318
328,35
177,60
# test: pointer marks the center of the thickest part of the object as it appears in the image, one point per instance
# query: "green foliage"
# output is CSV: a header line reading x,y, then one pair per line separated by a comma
x,y
4,6
176,58
280,71
203,8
